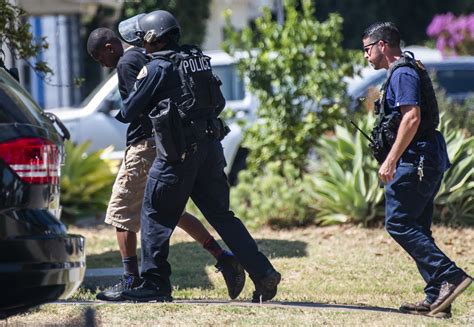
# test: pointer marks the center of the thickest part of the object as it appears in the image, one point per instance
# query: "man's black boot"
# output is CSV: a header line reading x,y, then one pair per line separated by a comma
x,y
266,287
147,292
233,272
114,293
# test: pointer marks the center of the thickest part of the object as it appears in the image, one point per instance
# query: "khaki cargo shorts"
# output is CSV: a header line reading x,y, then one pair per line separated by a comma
x,y
129,187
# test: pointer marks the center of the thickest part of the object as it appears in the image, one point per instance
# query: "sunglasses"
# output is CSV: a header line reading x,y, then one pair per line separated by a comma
x,y
368,47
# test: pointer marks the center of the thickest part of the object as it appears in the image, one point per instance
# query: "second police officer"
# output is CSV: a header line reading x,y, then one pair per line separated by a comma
x,y
177,88
413,159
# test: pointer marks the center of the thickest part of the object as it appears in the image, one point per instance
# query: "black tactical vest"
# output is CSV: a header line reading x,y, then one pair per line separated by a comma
x,y
188,113
199,96
428,105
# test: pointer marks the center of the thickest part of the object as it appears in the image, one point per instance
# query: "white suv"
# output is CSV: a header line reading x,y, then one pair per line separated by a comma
x,y
94,119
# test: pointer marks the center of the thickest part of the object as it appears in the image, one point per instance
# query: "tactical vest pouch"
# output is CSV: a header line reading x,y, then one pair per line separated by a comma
x,y
217,128
384,135
199,95
379,152
168,132
211,128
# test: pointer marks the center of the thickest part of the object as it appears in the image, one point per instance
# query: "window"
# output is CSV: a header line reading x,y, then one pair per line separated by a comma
x,y
456,81
15,104
232,84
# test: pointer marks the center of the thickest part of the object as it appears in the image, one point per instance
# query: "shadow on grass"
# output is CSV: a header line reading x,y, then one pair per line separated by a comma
x,y
87,319
90,313
188,260
336,306
295,304
90,317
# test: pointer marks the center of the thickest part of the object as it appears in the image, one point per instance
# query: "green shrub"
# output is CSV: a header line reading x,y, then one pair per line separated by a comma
x,y
291,67
275,198
86,181
344,186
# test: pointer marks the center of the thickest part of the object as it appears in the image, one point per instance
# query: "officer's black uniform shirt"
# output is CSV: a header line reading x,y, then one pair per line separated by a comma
x,y
128,68
154,80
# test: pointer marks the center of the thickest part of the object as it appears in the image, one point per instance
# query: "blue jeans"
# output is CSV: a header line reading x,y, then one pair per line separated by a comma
x,y
201,176
409,205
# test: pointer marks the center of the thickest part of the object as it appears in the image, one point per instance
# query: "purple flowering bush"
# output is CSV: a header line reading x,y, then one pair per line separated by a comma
x,y
454,35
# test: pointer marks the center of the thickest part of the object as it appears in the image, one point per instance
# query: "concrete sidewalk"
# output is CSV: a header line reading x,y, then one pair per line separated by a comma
x,y
101,277
102,272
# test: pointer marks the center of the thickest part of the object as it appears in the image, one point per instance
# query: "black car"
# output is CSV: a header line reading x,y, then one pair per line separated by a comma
x,y
39,260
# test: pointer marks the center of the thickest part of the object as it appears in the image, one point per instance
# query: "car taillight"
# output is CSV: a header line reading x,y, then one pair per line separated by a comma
x,y
35,160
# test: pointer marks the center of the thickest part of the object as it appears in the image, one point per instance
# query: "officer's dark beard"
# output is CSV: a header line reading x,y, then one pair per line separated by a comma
x,y
376,62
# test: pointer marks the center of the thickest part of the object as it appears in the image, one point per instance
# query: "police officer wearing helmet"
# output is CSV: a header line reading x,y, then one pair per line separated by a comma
x,y
123,211
182,96
413,159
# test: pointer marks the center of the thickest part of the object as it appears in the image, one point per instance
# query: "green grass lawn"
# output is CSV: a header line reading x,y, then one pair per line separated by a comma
x,y
339,275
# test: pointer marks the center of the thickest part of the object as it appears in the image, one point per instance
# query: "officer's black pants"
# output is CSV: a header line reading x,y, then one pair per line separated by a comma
x,y
409,205
201,176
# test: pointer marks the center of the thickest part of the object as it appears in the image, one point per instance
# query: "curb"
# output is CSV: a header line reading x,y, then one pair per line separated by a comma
x,y
101,277
102,272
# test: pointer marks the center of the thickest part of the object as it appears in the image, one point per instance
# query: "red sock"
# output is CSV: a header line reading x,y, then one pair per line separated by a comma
x,y
213,247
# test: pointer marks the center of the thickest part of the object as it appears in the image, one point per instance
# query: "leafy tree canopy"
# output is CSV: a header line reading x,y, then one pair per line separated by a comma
x,y
411,17
191,14
15,34
293,69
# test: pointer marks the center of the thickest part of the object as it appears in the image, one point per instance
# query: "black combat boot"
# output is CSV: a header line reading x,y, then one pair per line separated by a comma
x,y
147,292
266,287
233,272
114,293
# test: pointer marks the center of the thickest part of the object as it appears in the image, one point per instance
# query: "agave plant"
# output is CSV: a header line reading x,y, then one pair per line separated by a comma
x,y
345,187
455,200
86,181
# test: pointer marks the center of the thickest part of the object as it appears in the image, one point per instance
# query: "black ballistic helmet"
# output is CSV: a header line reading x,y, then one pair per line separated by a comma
x,y
129,30
157,24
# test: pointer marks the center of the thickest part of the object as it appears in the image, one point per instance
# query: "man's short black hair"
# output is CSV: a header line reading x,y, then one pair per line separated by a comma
x,y
98,38
386,31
